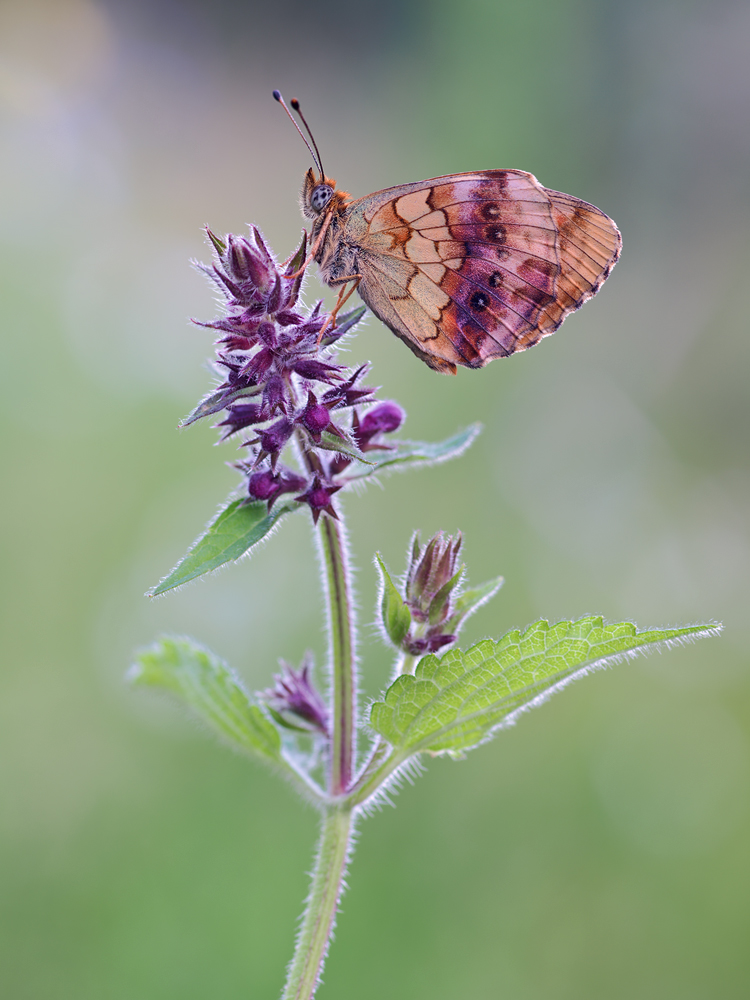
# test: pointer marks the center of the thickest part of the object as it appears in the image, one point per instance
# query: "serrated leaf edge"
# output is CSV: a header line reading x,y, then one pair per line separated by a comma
x,y
703,630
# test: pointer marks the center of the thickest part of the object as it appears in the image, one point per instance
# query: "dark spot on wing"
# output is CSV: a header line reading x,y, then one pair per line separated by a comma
x,y
495,234
490,211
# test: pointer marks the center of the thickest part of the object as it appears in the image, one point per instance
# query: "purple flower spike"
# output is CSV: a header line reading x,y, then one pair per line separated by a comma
x,y
281,381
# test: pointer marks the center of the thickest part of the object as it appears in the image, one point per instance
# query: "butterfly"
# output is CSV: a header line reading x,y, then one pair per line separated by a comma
x,y
464,268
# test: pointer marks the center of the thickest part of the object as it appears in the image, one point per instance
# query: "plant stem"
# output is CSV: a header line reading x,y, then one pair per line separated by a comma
x,y
405,665
343,673
320,913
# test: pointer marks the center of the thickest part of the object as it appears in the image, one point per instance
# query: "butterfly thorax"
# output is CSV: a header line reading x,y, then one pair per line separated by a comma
x,y
327,207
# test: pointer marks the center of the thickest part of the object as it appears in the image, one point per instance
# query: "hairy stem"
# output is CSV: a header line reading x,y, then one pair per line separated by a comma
x,y
342,639
320,913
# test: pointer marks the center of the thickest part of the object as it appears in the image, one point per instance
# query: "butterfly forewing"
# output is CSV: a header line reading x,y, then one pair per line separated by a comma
x,y
470,267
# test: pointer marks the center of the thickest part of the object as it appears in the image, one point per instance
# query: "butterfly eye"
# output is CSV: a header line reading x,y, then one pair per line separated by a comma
x,y
321,196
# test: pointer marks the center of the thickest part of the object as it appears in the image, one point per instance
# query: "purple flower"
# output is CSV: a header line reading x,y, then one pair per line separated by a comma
x,y
267,485
382,419
294,700
273,439
347,393
430,643
241,415
315,416
318,498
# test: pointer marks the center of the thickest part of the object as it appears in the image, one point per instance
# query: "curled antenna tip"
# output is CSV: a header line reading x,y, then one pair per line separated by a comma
x,y
277,95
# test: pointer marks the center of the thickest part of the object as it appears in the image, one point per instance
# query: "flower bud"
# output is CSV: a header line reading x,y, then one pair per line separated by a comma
x,y
246,265
263,486
318,498
294,700
254,370
268,486
267,334
348,393
275,394
241,415
312,369
273,438
315,417
432,577
382,419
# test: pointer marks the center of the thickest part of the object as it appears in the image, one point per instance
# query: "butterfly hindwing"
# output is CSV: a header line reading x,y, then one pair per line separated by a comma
x,y
470,267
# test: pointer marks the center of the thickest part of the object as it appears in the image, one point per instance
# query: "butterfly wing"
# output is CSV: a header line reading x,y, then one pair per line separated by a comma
x,y
470,267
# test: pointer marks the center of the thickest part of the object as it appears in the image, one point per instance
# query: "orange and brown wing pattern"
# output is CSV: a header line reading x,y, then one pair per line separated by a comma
x,y
471,267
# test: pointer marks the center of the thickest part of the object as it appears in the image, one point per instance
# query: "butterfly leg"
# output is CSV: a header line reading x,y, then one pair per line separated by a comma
x,y
331,321
313,250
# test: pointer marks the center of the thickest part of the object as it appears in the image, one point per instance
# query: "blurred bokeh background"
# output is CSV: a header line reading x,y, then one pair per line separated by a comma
x,y
598,849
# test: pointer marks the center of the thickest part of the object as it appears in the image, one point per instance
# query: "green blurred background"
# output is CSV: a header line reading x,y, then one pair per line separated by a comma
x,y
600,848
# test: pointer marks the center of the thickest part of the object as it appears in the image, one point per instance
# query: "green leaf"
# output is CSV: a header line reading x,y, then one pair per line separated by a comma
x,y
344,324
394,614
211,690
215,402
412,453
455,702
218,244
345,446
295,262
239,527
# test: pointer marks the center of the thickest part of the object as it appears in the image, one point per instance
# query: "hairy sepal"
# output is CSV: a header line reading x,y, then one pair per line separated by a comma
x,y
395,616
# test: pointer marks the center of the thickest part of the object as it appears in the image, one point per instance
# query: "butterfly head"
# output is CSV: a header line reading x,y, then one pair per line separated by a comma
x,y
318,194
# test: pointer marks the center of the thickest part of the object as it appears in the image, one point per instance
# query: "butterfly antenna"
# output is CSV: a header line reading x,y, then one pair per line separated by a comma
x,y
316,159
295,104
